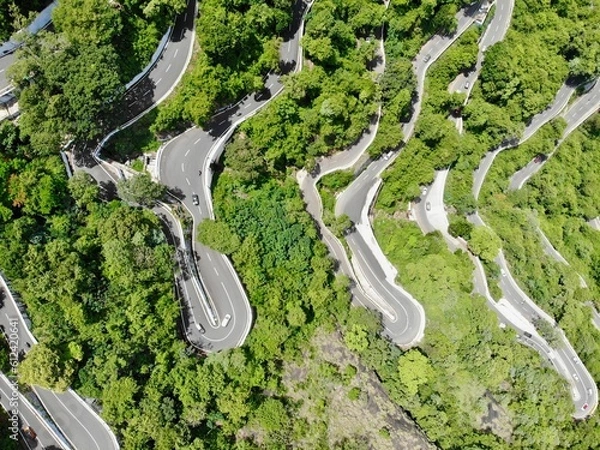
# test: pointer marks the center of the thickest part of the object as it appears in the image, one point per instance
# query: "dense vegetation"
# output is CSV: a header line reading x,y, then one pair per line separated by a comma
x,y
409,27
436,143
71,80
323,108
469,366
239,43
14,15
558,201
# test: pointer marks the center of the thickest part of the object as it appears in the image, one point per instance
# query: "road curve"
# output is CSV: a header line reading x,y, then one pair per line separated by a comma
x,y
184,165
584,390
13,401
375,272
79,424
582,109
560,101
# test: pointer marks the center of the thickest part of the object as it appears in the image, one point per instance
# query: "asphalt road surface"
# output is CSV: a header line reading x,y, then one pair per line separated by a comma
x,y
495,32
28,416
560,101
77,422
185,167
584,390
7,49
583,108
375,270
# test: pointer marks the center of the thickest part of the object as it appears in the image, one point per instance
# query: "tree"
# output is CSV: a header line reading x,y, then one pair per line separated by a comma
x,y
414,370
83,188
459,226
141,189
547,331
217,235
356,338
44,367
485,243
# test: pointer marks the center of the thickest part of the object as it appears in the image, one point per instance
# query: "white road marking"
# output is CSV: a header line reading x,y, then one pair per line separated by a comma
x,y
247,106
1,70
222,121
149,91
186,153
168,67
182,167
69,411
209,258
288,46
214,267
269,86
197,140
158,81
188,181
185,17
176,51
182,33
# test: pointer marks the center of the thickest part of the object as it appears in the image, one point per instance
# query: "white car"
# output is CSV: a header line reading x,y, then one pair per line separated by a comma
x,y
575,377
502,272
200,328
226,320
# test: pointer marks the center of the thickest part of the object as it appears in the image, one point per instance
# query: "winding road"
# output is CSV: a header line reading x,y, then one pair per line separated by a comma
x,y
222,317
375,273
582,109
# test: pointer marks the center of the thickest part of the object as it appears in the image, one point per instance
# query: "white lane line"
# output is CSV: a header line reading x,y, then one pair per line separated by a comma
x,y
186,153
288,46
176,51
2,70
69,411
182,33
182,167
208,256
269,86
168,67
197,140
222,121
149,91
158,81
247,106
215,267
188,181
185,17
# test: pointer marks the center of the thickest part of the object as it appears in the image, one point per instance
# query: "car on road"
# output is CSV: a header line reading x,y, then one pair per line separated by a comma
x,y
584,407
427,57
195,199
424,191
590,391
527,334
467,85
28,431
428,206
200,328
226,320
575,377
387,156
575,359
503,272
539,158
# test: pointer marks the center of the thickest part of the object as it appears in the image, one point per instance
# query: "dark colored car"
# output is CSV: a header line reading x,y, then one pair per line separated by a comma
x,y
195,199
